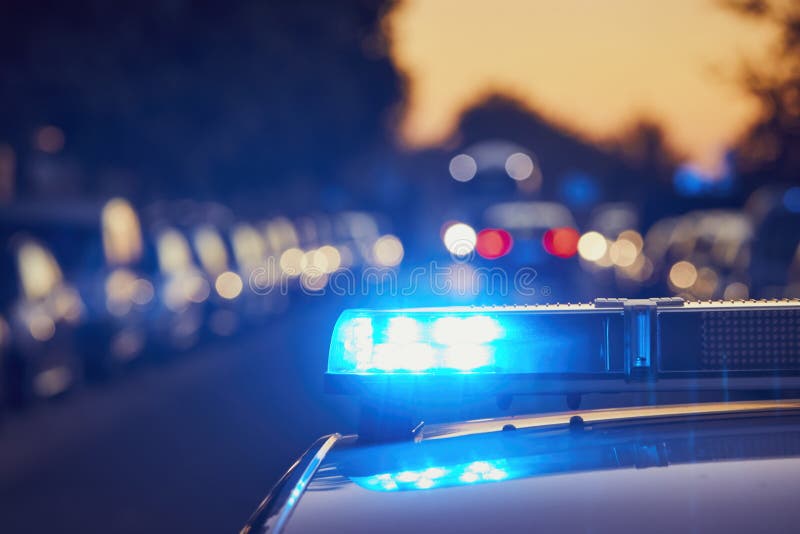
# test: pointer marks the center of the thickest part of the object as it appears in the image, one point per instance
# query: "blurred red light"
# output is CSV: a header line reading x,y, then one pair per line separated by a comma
x,y
493,243
561,242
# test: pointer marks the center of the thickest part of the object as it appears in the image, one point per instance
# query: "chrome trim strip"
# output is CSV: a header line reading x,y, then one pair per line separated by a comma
x,y
272,514
274,511
305,477
481,426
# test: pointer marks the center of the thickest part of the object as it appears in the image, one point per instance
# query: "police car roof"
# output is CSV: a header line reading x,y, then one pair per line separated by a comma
x,y
707,467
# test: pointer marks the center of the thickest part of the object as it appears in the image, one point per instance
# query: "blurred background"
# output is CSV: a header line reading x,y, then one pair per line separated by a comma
x,y
190,193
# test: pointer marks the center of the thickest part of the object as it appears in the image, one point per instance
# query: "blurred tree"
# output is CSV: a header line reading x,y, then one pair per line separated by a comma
x,y
199,98
771,147
645,146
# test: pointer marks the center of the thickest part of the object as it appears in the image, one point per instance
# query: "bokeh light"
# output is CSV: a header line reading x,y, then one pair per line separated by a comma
x,y
388,251
736,291
561,242
519,166
592,246
211,250
120,287
623,253
122,234
493,243
248,247
683,275
291,261
706,284
463,168
38,270
228,285
49,139
41,326
633,237
174,254
333,259
143,292
460,239
314,262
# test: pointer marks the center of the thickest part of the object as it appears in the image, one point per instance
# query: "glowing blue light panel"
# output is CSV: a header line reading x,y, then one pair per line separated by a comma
x,y
467,341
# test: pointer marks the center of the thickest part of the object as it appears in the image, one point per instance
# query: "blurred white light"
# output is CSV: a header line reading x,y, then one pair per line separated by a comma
x,y
195,288
143,292
41,326
291,262
519,166
460,239
312,263
122,233
173,296
388,251
592,246
120,287
52,381
736,291
634,237
281,234
38,270
706,284
248,247
623,253
683,275
323,260
332,257
211,250
67,304
228,285
463,168
174,255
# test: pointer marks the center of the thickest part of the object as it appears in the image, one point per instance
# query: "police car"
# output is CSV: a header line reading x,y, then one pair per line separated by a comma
x,y
726,459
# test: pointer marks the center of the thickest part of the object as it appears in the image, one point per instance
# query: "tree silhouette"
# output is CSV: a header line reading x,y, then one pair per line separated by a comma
x,y
770,149
187,98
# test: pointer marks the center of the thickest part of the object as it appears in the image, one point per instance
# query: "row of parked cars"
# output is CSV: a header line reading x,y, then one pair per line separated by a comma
x,y
88,292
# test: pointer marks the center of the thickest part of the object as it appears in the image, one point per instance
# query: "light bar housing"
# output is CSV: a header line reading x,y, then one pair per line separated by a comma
x,y
610,345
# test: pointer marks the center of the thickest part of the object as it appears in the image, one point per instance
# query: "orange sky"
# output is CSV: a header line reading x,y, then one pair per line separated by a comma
x,y
593,64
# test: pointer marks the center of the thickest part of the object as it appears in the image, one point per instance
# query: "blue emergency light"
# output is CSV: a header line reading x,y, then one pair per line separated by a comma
x,y
610,345
470,341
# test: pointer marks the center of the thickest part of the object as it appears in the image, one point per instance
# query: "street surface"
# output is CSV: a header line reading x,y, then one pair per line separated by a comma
x,y
190,445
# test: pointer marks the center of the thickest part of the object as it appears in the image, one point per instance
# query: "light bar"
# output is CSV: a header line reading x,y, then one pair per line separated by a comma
x,y
607,345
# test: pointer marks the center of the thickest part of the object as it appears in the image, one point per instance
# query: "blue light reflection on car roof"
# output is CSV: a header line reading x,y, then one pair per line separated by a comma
x,y
438,476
